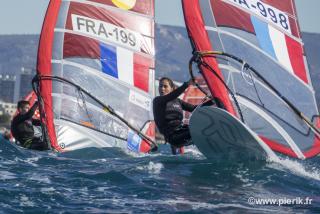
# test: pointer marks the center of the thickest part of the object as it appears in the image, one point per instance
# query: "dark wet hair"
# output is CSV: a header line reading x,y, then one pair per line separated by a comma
x,y
23,103
169,80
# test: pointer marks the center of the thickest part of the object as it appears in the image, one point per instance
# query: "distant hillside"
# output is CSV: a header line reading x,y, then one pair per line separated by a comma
x,y
18,51
173,52
312,48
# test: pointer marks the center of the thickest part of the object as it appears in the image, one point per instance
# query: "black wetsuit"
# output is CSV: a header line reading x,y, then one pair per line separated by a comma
x,y
168,116
22,130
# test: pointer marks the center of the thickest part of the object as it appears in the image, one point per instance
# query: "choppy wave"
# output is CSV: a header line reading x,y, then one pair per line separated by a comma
x,y
111,180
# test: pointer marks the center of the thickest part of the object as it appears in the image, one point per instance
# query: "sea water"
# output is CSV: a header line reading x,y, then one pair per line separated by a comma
x,y
110,180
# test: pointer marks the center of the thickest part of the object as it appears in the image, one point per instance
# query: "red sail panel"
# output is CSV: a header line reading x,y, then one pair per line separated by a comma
x,y
295,53
150,132
80,46
139,6
44,66
141,71
197,32
275,146
283,5
239,19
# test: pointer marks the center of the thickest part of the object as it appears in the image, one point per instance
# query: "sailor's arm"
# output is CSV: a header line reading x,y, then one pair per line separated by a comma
x,y
176,93
36,122
187,106
29,114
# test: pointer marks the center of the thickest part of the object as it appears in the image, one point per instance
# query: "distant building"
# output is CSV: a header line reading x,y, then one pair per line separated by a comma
x,y
15,87
8,88
25,81
8,108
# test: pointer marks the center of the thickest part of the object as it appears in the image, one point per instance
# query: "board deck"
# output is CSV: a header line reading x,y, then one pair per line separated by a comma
x,y
219,135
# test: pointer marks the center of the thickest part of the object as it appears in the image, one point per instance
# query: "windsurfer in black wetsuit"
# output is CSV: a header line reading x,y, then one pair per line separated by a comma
x,y
22,127
168,113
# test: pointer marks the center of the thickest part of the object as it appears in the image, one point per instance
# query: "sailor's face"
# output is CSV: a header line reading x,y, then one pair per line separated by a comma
x,y
164,87
24,109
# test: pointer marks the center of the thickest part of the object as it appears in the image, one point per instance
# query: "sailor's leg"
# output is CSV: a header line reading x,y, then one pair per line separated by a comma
x,y
181,137
38,144
177,150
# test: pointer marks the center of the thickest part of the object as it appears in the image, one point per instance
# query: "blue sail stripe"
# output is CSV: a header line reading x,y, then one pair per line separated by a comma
x,y
108,59
263,36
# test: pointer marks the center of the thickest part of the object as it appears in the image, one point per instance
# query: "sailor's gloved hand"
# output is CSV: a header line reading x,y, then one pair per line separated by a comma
x,y
154,149
190,81
36,103
209,103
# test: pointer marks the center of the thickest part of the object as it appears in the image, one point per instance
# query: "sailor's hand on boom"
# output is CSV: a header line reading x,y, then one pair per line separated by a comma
x,y
35,105
191,82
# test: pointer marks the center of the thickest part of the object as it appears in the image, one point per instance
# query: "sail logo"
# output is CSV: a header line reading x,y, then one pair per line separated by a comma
x,y
106,32
140,100
265,12
124,4
133,141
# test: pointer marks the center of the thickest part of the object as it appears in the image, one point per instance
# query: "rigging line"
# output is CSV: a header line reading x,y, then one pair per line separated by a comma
x,y
294,109
255,88
245,76
97,130
197,58
106,108
36,89
275,115
227,87
194,59
144,124
82,97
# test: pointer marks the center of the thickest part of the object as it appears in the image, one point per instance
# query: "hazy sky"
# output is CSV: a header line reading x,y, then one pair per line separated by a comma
x,y
26,16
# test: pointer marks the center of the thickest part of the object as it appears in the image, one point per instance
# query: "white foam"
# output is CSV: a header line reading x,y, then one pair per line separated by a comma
x,y
242,178
155,168
194,152
5,175
84,191
134,154
41,179
28,160
48,190
103,160
24,201
102,189
296,168
33,159
152,168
